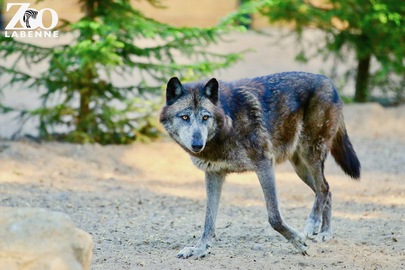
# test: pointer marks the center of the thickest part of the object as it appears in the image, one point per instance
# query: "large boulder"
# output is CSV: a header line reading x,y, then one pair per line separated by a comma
x,y
38,239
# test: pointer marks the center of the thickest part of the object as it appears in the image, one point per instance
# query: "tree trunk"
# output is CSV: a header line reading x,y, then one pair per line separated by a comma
x,y
363,74
83,119
84,111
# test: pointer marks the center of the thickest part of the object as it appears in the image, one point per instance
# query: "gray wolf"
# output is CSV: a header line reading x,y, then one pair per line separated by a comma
x,y
253,124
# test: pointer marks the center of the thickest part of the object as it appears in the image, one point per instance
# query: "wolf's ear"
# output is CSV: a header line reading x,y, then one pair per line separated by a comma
x,y
174,90
211,90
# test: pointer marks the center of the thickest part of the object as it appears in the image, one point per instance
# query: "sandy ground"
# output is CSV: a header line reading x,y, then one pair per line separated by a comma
x,y
143,202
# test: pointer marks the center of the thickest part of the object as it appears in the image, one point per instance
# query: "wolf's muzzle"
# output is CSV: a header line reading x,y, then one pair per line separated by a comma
x,y
197,143
197,147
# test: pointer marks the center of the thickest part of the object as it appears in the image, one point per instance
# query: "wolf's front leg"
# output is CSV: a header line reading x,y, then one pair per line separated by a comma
x,y
214,182
265,172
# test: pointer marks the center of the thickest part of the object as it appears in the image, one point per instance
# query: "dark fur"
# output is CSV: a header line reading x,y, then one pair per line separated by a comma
x,y
344,154
292,116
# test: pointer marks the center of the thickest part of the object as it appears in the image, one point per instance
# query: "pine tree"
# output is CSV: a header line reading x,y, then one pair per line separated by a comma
x,y
372,29
81,99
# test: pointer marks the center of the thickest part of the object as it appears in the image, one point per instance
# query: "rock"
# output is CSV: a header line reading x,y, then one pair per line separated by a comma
x,y
257,247
38,239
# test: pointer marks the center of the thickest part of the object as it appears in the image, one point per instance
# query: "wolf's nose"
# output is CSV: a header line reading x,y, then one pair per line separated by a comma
x,y
197,147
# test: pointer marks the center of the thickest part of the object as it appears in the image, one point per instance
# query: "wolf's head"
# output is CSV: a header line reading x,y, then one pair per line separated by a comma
x,y
191,112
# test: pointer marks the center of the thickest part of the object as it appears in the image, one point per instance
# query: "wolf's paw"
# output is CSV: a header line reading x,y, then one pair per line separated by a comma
x,y
194,252
312,228
324,236
299,242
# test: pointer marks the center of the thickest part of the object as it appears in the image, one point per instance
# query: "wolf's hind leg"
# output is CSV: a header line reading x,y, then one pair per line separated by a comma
x,y
326,230
318,225
214,182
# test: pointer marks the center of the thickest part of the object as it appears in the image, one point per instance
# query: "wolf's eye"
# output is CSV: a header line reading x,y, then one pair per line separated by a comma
x,y
184,117
205,117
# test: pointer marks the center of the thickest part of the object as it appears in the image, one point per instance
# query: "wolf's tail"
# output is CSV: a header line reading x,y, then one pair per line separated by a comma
x,y
344,154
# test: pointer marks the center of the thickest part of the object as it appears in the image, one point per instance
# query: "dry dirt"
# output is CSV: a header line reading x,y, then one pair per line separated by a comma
x,y
143,202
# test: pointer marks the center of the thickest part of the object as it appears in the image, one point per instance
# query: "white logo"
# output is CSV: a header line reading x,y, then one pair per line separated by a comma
x,y
31,19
